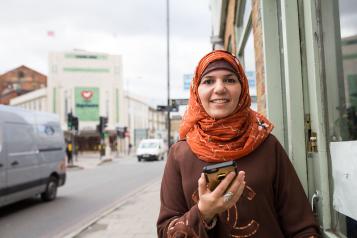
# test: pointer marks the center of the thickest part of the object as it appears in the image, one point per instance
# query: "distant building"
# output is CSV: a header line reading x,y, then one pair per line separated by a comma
x,y
20,81
35,100
89,85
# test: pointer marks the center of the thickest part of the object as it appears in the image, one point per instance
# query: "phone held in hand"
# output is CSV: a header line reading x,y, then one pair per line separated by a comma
x,y
215,173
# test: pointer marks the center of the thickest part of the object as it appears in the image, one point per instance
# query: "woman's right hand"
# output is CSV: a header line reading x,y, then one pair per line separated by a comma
x,y
212,203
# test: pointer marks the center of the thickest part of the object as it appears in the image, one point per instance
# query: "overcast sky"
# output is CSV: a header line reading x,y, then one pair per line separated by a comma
x,y
135,29
348,17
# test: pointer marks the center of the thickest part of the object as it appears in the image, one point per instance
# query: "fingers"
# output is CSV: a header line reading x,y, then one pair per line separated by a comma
x,y
237,188
202,185
222,187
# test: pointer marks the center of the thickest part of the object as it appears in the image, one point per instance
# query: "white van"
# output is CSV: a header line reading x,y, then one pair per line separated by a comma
x,y
32,155
151,149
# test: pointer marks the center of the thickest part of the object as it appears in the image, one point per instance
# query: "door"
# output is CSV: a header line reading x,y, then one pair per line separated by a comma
x,y
23,175
329,43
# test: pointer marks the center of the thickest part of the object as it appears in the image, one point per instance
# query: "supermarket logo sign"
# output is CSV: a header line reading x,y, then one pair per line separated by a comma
x,y
87,95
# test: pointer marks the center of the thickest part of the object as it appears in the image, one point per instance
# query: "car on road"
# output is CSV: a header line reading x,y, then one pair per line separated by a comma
x,y
151,149
32,155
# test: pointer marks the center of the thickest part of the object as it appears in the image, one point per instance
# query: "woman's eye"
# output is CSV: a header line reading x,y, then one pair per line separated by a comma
x,y
230,80
207,81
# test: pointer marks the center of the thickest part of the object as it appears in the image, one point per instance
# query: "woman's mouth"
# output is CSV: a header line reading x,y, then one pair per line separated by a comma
x,y
220,100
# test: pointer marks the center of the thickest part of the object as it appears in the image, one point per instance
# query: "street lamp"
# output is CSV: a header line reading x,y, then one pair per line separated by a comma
x,y
168,71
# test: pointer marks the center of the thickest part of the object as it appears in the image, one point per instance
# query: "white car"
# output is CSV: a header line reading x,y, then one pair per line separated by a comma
x,y
151,149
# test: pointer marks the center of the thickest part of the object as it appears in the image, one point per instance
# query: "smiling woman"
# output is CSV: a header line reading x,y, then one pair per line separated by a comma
x,y
262,198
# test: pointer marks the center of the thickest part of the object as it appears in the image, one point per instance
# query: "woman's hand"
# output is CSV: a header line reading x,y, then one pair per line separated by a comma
x,y
213,202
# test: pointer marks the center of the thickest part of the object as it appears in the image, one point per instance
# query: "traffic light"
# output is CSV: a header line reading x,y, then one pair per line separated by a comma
x,y
161,108
72,121
103,123
75,123
174,107
69,120
121,132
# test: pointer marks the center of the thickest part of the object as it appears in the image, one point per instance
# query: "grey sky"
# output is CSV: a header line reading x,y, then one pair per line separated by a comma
x,y
348,16
135,29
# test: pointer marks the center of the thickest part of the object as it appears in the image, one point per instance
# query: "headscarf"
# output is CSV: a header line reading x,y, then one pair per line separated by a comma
x,y
229,138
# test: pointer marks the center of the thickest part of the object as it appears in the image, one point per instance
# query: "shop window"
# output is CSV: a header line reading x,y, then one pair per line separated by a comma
x,y
245,45
249,66
344,120
247,11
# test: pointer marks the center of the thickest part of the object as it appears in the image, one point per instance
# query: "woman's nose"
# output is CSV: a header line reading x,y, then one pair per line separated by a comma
x,y
219,87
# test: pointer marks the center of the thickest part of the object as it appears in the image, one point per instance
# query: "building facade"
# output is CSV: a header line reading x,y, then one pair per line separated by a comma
x,y
35,100
304,57
87,84
20,81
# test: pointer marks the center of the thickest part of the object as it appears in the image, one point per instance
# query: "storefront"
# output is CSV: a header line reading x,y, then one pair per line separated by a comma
x,y
305,55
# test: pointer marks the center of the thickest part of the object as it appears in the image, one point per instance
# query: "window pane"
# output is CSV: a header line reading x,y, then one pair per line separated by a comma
x,y
249,66
345,122
247,10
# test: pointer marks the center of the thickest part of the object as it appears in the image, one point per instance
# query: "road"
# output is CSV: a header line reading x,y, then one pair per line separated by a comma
x,y
87,194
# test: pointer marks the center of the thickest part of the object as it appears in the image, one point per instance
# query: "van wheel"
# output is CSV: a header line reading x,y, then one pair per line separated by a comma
x,y
51,190
139,159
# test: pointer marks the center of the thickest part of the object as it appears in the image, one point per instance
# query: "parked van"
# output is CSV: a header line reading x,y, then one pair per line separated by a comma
x,y
32,155
151,149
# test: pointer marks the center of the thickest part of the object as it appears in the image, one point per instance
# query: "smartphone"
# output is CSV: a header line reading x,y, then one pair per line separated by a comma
x,y
215,173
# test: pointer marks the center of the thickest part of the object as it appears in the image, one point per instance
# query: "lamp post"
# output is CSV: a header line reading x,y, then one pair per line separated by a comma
x,y
168,71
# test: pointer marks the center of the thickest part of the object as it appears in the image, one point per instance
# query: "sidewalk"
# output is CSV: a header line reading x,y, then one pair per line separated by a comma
x,y
134,217
89,161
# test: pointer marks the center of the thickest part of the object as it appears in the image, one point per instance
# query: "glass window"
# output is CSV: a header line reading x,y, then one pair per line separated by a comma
x,y
249,66
345,126
247,11
19,134
344,121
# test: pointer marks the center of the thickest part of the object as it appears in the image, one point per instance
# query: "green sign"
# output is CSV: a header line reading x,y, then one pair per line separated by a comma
x,y
87,104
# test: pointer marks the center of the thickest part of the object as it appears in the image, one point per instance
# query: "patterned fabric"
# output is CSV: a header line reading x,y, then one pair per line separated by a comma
x,y
230,138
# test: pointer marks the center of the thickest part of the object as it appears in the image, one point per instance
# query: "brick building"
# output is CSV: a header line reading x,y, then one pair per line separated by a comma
x,y
20,81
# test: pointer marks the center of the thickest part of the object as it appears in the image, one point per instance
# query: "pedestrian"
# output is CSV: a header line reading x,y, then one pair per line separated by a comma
x,y
129,148
69,153
265,198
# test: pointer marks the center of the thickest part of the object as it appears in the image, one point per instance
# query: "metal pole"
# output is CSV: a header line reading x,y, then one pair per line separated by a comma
x,y
168,72
73,144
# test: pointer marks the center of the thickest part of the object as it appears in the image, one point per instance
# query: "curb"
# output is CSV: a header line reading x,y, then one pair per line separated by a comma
x,y
72,166
81,227
106,160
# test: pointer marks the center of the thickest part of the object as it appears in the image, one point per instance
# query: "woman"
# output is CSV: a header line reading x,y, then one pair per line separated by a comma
x,y
265,199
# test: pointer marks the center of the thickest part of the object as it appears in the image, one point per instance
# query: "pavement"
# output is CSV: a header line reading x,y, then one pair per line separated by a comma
x,y
132,217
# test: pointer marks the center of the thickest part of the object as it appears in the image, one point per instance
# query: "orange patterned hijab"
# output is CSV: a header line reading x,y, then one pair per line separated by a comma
x,y
229,138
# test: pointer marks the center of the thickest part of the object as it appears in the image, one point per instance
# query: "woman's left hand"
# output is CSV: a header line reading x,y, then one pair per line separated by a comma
x,y
214,202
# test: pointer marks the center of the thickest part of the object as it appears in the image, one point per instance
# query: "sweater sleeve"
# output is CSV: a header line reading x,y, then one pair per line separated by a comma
x,y
176,218
293,209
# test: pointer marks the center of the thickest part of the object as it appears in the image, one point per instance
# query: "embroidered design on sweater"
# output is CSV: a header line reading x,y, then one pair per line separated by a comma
x,y
232,216
179,228
247,230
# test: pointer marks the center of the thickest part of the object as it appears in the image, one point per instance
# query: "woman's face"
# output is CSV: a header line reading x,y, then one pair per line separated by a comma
x,y
219,92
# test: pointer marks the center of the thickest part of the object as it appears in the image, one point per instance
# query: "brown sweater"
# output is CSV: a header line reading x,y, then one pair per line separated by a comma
x,y
273,204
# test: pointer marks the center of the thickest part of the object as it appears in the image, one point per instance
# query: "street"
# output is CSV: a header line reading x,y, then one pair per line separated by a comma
x,y
87,193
